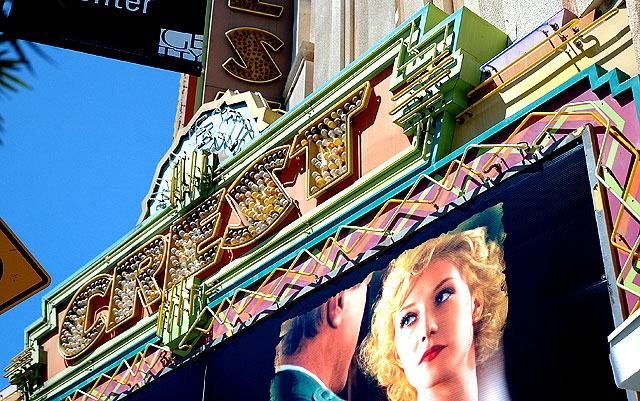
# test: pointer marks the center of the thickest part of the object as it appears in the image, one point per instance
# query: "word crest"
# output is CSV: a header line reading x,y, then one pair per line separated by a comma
x,y
192,245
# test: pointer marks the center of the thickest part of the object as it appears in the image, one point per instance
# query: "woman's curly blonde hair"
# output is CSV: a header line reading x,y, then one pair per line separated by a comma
x,y
482,266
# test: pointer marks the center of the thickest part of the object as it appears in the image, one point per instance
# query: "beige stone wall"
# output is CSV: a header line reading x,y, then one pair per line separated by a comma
x,y
634,23
341,30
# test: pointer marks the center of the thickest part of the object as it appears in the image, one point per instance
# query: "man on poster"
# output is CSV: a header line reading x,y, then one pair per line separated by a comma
x,y
316,349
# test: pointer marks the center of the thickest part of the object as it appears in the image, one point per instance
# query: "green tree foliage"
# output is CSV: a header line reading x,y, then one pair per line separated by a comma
x,y
13,60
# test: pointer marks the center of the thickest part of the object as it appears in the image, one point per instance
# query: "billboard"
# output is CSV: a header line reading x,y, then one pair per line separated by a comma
x,y
530,324
162,34
328,196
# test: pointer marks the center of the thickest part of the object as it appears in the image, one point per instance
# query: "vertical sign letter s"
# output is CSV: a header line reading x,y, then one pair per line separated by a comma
x,y
256,65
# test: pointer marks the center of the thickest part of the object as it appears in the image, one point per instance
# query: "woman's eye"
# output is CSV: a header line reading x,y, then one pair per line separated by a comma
x,y
443,295
407,319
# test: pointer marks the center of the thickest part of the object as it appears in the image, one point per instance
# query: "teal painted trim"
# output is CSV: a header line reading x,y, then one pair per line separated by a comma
x,y
596,76
358,65
379,48
51,293
596,79
593,73
102,369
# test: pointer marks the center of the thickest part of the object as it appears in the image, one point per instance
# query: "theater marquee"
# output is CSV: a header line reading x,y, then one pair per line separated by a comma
x,y
239,236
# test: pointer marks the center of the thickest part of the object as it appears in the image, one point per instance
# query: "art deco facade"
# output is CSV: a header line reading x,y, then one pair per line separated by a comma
x,y
326,137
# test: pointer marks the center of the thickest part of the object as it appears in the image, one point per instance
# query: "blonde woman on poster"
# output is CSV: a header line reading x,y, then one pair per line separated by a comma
x,y
440,316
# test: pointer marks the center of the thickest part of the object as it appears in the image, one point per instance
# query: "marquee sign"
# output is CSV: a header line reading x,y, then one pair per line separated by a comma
x,y
163,34
363,165
220,130
193,244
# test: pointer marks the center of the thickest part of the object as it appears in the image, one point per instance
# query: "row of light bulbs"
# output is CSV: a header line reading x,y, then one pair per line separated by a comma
x,y
124,289
261,203
73,338
185,257
259,199
326,141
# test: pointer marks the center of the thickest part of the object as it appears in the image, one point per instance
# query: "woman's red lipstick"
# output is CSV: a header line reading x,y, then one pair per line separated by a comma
x,y
432,353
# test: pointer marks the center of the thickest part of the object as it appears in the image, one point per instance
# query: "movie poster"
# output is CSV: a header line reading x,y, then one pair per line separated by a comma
x,y
499,298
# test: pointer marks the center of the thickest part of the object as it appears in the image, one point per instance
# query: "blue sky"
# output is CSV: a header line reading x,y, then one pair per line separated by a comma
x,y
78,156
